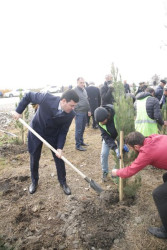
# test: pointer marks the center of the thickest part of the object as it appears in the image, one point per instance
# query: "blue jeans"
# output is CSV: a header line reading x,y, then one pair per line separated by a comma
x,y
80,123
104,156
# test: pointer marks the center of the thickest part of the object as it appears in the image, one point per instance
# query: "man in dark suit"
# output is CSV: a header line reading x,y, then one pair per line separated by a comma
x,y
51,121
106,91
126,87
159,90
163,98
94,99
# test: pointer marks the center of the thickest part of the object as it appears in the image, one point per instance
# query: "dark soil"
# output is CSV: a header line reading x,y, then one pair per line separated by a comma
x,y
84,220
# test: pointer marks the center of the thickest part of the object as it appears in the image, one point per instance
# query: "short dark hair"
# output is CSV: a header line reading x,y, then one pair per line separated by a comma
x,y
69,95
150,90
79,78
134,138
143,88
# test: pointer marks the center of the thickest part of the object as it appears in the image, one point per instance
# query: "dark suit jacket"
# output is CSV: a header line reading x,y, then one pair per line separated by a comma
x,y
106,94
53,127
94,97
159,92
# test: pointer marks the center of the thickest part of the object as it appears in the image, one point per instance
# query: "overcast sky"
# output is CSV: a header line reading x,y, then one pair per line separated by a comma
x,y
56,41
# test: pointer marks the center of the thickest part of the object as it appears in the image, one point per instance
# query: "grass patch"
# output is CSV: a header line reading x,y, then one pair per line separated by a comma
x,y
10,140
2,163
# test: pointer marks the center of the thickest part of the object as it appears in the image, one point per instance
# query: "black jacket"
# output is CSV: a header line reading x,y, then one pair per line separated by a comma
x,y
127,88
94,97
110,137
159,92
106,94
152,107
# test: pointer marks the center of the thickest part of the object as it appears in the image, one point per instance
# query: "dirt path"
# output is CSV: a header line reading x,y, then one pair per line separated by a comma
x,y
49,219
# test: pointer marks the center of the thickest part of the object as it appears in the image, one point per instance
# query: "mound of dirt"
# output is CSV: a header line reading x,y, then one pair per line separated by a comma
x,y
85,220
12,150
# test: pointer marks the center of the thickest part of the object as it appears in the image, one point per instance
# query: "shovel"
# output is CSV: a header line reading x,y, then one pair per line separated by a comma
x,y
10,134
92,183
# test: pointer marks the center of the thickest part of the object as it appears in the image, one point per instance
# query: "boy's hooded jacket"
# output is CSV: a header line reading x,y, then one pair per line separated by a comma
x,y
110,133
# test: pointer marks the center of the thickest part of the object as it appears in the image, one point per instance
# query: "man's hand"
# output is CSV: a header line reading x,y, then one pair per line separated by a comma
x,y
165,123
59,153
114,173
16,115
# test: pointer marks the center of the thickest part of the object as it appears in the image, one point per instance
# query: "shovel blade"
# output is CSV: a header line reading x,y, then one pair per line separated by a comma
x,y
94,185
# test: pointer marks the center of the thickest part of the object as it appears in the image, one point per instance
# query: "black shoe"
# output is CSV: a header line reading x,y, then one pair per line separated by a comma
x,y
96,127
80,148
164,177
104,177
158,232
32,188
84,144
66,188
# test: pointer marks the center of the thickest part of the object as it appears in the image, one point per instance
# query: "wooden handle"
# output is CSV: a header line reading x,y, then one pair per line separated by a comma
x,y
121,165
52,148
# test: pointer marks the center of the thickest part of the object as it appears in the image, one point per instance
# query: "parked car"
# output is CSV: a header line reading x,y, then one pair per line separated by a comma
x,y
16,92
51,89
1,94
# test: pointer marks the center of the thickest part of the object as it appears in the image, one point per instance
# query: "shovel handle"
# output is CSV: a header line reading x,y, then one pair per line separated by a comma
x,y
52,148
3,131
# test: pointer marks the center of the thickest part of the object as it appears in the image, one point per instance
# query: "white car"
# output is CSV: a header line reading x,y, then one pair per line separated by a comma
x,y
51,89
16,92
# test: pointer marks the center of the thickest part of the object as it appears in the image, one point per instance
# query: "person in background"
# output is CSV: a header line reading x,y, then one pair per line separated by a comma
x,y
151,151
126,87
159,89
82,109
62,89
94,99
51,121
141,88
148,113
163,98
106,91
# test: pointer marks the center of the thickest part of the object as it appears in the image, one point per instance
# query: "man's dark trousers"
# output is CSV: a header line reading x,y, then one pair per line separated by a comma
x,y
160,199
34,166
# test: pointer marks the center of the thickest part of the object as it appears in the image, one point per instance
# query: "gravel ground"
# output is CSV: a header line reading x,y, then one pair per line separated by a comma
x,y
7,105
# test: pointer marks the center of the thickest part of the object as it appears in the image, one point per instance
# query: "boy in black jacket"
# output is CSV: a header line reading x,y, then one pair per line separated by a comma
x,y
105,117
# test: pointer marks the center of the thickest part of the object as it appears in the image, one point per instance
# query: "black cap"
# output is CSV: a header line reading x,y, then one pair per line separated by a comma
x,y
163,81
100,114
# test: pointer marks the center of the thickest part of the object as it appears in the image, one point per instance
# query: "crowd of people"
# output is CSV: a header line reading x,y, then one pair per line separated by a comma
x,y
54,115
